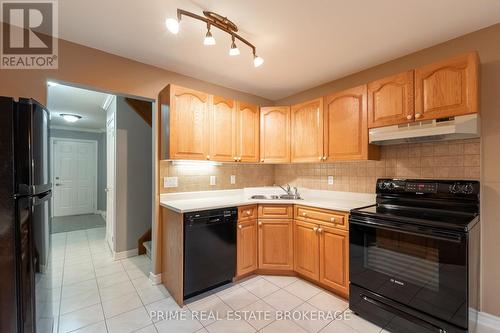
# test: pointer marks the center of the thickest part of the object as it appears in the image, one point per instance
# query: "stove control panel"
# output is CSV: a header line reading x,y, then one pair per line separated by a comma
x,y
461,188
427,186
421,187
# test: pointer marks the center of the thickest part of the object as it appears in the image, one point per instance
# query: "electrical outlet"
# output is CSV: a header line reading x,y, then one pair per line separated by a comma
x,y
233,179
212,180
170,182
330,180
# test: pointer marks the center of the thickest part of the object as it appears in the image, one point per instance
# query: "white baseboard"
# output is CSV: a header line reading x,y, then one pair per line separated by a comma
x,y
488,320
102,213
155,278
125,254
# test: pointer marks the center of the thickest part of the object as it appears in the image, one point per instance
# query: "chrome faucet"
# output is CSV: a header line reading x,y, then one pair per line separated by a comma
x,y
287,189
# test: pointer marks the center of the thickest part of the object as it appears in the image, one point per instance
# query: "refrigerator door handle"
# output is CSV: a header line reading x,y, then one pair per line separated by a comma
x,y
39,199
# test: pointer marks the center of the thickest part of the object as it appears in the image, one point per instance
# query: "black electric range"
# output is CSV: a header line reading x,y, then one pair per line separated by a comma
x,y
414,256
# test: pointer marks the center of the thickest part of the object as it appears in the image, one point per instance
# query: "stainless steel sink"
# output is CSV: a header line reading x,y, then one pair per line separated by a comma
x,y
276,197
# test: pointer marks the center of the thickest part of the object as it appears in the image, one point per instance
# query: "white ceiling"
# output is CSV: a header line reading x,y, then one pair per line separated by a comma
x,y
82,102
304,43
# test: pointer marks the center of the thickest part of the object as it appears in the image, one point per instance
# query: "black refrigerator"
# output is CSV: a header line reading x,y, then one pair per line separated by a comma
x,y
25,193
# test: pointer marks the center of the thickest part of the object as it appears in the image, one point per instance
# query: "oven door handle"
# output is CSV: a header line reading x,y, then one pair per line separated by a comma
x,y
402,314
412,230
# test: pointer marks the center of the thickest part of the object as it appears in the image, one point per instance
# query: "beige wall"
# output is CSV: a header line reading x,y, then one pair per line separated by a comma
x,y
458,159
196,178
486,42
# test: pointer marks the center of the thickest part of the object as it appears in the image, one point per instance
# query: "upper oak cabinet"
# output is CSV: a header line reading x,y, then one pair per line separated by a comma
x,y
222,130
275,134
184,122
447,88
307,131
247,129
390,100
346,129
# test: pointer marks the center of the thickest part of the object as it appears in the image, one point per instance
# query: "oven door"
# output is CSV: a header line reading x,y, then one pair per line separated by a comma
x,y
421,268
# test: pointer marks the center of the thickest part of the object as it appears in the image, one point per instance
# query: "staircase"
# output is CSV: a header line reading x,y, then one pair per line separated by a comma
x,y
147,246
142,108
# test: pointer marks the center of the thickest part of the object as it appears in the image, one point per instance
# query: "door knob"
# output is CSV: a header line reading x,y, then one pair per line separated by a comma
x,y
57,184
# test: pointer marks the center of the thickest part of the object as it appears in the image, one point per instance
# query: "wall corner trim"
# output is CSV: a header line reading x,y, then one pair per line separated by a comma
x,y
155,278
488,320
125,254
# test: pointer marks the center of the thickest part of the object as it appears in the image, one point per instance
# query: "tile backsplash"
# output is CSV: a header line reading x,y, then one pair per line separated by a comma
x,y
197,177
458,159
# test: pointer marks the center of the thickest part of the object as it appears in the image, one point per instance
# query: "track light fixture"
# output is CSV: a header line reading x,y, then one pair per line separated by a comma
x,y
222,23
234,50
209,39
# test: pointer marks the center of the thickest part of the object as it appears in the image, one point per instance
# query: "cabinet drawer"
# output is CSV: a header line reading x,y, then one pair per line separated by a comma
x,y
247,213
329,217
276,211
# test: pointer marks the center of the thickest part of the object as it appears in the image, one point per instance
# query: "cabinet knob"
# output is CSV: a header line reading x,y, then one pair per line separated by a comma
x,y
248,213
262,160
260,223
324,158
315,229
320,230
417,115
409,117
321,158
239,159
208,157
332,219
304,214
240,226
236,159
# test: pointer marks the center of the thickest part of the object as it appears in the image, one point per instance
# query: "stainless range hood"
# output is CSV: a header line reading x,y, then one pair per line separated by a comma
x,y
459,127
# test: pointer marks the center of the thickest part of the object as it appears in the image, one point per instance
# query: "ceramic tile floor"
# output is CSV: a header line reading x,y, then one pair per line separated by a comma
x,y
87,291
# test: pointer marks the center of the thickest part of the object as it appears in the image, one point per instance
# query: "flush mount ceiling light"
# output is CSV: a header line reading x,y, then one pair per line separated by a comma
x,y
219,21
70,118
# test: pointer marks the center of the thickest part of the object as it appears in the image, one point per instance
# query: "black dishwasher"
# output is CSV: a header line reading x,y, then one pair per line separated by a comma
x,y
209,249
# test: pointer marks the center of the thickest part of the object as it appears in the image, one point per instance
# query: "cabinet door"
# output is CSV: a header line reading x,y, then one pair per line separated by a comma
x,y
390,100
346,129
334,259
275,244
189,132
275,134
246,241
306,249
223,130
307,131
247,117
447,88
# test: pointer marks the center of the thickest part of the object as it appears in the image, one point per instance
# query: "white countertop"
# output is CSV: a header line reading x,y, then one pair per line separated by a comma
x,y
186,202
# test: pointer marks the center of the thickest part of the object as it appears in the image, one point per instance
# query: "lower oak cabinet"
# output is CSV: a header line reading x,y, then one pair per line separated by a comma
x,y
275,244
246,241
321,253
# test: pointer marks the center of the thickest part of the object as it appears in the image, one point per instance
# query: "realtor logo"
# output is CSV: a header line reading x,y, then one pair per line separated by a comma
x,y
29,35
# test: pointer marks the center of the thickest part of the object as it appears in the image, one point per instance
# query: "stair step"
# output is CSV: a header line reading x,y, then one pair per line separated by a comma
x,y
147,245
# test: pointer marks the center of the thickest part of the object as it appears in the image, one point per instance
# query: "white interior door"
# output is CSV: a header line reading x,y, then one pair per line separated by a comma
x,y
110,174
75,176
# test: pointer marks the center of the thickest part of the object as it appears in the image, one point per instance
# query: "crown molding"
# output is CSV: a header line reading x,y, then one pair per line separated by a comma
x,y
78,129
